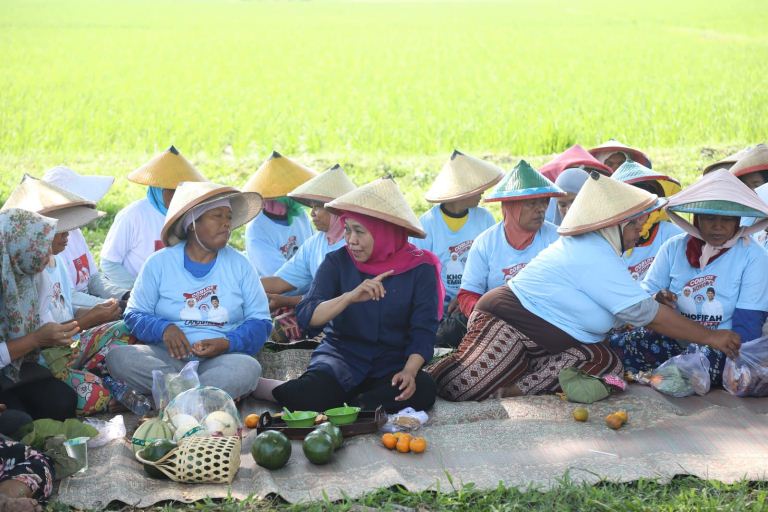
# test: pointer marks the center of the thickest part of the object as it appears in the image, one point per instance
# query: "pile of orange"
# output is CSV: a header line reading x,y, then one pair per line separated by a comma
x,y
404,443
617,419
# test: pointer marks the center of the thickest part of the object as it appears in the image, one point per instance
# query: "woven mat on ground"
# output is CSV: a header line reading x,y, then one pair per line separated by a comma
x,y
520,442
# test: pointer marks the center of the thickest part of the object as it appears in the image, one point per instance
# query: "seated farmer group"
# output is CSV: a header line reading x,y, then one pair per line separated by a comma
x,y
599,263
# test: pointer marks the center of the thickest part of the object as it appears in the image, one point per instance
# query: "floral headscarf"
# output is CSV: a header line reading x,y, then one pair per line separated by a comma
x,y
25,248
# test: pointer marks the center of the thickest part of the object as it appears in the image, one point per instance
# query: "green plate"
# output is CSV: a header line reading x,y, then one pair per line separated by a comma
x,y
342,415
300,419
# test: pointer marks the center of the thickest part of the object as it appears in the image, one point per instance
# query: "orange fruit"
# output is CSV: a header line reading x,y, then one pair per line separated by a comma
x,y
389,440
613,421
401,435
622,415
403,444
580,414
418,445
252,420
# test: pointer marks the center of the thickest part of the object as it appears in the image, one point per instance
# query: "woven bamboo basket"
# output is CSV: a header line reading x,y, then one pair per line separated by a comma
x,y
201,460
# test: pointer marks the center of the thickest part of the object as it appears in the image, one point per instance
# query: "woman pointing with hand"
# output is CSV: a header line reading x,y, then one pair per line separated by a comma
x,y
378,301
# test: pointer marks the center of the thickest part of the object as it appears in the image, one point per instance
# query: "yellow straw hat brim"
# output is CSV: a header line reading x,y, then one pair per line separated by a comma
x,y
461,177
383,200
245,206
324,187
166,170
278,176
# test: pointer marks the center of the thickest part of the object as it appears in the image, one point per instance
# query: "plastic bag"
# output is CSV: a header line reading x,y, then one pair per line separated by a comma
x,y
204,411
108,430
165,386
747,375
682,375
406,420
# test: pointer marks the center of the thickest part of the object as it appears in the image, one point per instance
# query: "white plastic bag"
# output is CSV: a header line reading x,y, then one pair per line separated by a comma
x,y
682,375
747,375
108,430
165,386
204,411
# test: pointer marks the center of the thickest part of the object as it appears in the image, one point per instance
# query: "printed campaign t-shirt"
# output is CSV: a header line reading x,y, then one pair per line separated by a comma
x,y
269,244
203,308
641,258
492,261
452,247
134,236
301,269
578,284
78,261
54,292
737,279
761,238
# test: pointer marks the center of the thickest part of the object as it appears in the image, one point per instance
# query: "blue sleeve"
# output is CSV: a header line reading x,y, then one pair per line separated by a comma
x,y
753,291
423,324
249,336
748,323
147,327
324,287
477,269
658,276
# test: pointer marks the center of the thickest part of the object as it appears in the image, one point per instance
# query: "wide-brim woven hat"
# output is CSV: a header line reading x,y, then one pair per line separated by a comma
x,y
754,160
461,177
524,182
91,187
324,187
245,206
575,156
727,162
632,172
383,200
166,170
71,210
278,176
719,193
604,202
613,146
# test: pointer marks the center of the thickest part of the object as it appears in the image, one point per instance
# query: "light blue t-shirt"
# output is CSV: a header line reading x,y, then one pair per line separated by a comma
x,y
269,244
492,261
300,270
641,258
761,238
452,247
737,279
205,307
578,284
55,293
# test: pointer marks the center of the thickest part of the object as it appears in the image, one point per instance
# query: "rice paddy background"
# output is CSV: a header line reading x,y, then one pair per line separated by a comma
x,y
380,86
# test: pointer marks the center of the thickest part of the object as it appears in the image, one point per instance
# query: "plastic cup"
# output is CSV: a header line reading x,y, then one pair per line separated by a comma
x,y
77,448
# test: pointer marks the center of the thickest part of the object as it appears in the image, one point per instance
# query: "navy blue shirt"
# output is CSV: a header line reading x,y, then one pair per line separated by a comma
x,y
371,339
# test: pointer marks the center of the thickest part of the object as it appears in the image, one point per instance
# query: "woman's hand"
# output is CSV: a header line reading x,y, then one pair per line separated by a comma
x,y
667,298
211,348
405,381
725,341
453,306
176,342
107,311
370,289
277,301
56,335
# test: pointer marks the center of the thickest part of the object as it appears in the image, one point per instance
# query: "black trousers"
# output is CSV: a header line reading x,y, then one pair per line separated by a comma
x,y
318,391
46,398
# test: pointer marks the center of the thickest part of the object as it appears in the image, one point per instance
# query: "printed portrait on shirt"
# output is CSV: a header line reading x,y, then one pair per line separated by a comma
x,y
289,248
454,267
82,269
698,301
204,307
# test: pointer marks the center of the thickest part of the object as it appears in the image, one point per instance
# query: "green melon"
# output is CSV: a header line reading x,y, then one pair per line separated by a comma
x,y
151,430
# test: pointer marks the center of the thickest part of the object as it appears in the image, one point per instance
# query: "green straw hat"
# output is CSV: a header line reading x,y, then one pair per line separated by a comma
x,y
631,172
524,182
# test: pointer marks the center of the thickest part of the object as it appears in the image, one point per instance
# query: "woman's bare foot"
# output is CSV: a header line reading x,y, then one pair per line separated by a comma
x,y
14,497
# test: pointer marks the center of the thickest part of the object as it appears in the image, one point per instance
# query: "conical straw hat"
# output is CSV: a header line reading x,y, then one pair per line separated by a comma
x,y
574,156
727,162
719,193
93,188
71,210
278,176
381,199
461,177
614,146
754,160
324,187
632,172
166,170
245,206
604,202
524,182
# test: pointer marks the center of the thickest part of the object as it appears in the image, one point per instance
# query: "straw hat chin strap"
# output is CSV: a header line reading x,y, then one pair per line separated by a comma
x,y
199,242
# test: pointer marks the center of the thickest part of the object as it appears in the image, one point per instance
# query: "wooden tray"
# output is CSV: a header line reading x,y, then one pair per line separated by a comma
x,y
367,422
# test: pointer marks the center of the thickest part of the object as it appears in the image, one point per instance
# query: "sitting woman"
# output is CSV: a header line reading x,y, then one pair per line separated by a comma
x,y
28,390
555,314
657,228
501,251
570,181
712,274
452,227
198,297
378,301
274,236
79,366
135,233
752,167
292,279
